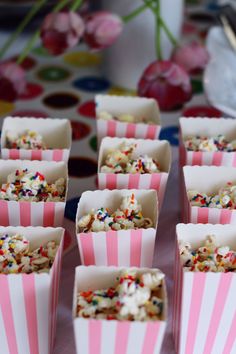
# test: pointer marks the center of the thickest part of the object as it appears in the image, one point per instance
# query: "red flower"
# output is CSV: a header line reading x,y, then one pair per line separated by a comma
x,y
167,82
102,28
12,81
61,31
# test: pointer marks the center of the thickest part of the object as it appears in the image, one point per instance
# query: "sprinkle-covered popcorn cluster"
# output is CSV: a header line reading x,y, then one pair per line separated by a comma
x,y
29,140
128,216
225,198
16,257
32,186
125,117
203,143
209,258
120,161
136,297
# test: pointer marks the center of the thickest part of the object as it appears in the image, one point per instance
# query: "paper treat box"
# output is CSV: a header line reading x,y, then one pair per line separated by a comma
x,y
56,134
113,337
209,127
207,179
123,247
204,303
139,107
28,302
157,149
21,213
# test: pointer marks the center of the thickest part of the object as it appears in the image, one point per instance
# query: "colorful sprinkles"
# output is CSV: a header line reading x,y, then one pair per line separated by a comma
x,y
203,143
29,140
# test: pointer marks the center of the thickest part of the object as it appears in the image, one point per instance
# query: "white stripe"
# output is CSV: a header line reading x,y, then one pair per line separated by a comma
x,y
163,182
233,217
145,181
19,313
121,129
66,155
233,351
226,319
3,337
37,214
193,214
207,158
189,158
101,129
101,180
124,248
136,337
108,337
210,290
100,248
227,159
25,154
47,155
158,130
42,289
81,335
187,285
5,154
80,249
160,338
214,215
141,131
122,181
14,213
148,245
59,213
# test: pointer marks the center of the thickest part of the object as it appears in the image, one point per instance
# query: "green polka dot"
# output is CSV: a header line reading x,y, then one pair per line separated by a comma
x,y
93,143
197,86
42,52
53,73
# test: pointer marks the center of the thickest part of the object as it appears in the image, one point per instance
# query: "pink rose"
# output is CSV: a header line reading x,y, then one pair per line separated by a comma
x,y
12,81
167,82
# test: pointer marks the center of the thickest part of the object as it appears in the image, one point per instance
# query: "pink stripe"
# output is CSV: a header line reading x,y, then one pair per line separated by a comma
x,y
111,181
151,335
221,297
197,158
48,214
134,181
217,158
87,248
25,213
231,337
95,336
4,215
155,181
7,314
199,280
234,160
135,247
130,130
28,281
112,247
151,132
122,335
51,315
57,155
111,128
225,216
14,154
202,215
36,155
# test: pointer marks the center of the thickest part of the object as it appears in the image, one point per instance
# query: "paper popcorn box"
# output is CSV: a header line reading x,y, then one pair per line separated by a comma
x,y
113,337
157,149
137,106
56,134
207,179
28,302
22,213
119,248
204,302
209,127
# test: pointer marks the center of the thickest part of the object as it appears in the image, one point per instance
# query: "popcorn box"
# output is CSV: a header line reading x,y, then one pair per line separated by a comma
x,y
113,337
209,127
207,179
22,213
137,106
157,149
56,134
204,302
134,247
28,302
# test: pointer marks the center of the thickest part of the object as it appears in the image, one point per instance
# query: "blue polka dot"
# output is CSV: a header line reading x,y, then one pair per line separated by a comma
x,y
71,208
91,84
170,134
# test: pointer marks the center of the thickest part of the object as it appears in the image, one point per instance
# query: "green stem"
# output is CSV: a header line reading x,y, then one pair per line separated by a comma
x,y
134,13
76,5
158,31
168,32
60,6
36,7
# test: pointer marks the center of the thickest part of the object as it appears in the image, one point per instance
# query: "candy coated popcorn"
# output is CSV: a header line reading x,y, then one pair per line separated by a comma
x,y
124,117
203,143
29,140
135,297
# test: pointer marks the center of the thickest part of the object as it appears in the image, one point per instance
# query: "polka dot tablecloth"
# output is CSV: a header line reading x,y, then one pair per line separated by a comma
x,y
64,87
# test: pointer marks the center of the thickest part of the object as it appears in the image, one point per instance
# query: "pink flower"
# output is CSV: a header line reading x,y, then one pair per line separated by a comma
x,y
12,81
193,57
167,82
102,28
61,31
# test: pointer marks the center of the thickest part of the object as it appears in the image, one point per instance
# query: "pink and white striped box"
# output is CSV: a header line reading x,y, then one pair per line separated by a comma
x,y
139,107
56,134
209,127
204,303
131,248
13,213
207,179
158,149
28,302
113,337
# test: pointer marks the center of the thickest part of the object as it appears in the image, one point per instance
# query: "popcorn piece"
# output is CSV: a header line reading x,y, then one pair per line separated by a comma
x,y
124,117
202,143
29,140
136,297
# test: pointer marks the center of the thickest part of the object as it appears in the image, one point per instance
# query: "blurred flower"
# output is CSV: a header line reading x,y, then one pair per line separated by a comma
x,y
167,82
102,28
61,31
12,81
193,57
